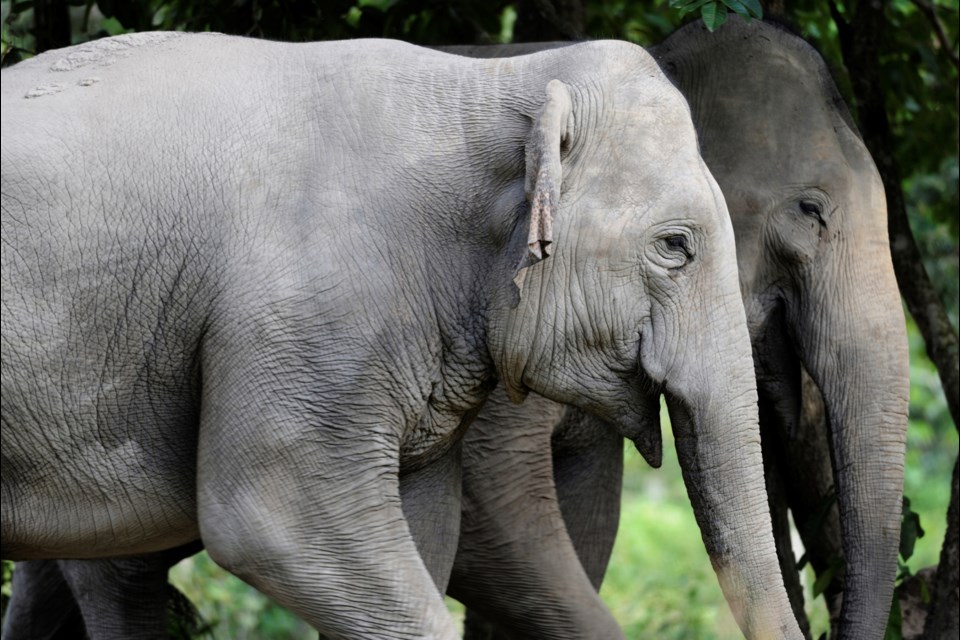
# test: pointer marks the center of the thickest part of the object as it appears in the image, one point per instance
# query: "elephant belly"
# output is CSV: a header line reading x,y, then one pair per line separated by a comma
x,y
113,480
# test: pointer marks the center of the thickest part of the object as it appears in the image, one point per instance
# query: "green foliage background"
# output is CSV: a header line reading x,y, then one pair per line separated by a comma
x,y
660,583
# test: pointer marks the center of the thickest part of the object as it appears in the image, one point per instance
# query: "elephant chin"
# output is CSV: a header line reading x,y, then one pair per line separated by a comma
x,y
644,430
650,446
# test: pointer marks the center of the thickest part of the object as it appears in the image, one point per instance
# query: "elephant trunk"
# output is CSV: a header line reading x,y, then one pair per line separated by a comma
x,y
858,358
713,409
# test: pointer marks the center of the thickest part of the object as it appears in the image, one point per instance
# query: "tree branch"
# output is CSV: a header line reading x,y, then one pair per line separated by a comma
x,y
540,20
942,619
51,24
930,13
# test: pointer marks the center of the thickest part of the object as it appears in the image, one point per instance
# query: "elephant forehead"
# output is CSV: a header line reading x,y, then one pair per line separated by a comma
x,y
770,152
651,112
645,183
631,222
642,155
776,113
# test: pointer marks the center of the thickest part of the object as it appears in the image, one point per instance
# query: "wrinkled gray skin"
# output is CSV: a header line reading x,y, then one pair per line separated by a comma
x,y
809,214
249,287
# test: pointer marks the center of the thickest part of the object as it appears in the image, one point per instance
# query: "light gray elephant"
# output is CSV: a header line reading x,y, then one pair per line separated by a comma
x,y
809,214
254,292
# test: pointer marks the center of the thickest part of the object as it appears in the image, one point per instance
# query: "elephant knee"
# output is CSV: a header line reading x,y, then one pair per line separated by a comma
x,y
241,539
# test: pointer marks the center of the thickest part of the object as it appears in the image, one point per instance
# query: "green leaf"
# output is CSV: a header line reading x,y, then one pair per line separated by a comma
x,y
689,6
924,591
746,9
894,622
713,16
738,7
824,579
910,530
113,27
754,7
903,572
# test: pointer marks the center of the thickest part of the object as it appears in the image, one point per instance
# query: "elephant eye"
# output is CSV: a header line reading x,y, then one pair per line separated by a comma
x,y
812,208
673,248
677,250
679,243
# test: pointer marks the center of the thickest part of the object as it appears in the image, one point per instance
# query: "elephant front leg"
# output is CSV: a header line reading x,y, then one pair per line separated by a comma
x,y
431,505
516,566
588,472
298,495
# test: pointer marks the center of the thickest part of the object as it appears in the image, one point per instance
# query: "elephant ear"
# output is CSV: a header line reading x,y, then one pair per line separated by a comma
x,y
544,174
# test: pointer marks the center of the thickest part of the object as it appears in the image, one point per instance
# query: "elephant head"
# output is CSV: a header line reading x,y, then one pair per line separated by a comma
x,y
639,297
808,207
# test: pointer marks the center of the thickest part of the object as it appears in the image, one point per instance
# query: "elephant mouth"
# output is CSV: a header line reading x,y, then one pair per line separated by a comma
x,y
778,368
644,430
651,448
646,433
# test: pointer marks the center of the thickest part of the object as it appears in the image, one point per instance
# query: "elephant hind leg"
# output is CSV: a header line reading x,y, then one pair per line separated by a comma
x,y
121,598
41,605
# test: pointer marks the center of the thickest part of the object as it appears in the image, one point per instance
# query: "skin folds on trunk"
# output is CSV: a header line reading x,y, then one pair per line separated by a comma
x,y
731,507
712,399
866,404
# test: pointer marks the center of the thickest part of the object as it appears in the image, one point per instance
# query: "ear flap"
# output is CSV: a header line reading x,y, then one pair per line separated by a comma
x,y
545,174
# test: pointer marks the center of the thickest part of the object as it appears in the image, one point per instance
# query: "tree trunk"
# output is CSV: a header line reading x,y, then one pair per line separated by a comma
x,y
51,24
942,621
545,20
775,9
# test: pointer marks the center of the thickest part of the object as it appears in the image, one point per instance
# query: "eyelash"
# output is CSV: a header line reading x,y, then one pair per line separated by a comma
x,y
813,209
679,243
